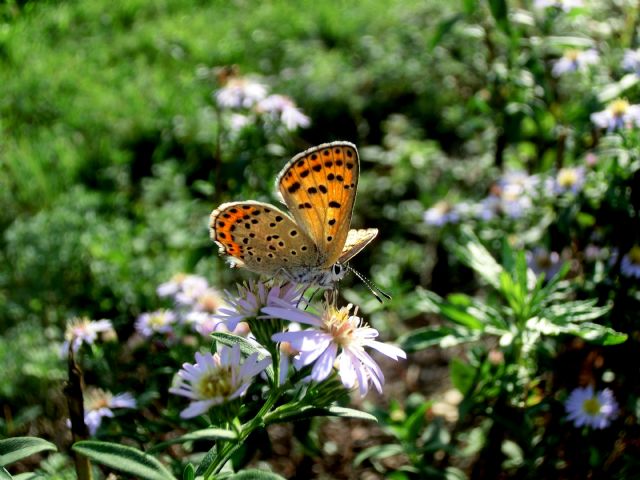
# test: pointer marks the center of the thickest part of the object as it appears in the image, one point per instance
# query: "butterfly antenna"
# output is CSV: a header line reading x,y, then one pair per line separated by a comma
x,y
373,288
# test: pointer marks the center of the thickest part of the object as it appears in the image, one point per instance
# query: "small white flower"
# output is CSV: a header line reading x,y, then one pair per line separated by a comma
x,y
335,330
565,5
240,92
284,110
631,61
160,321
592,409
630,263
99,404
84,330
619,114
574,60
569,179
250,299
440,214
216,379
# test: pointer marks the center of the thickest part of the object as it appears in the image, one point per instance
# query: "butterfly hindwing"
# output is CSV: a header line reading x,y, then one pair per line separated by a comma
x,y
261,237
319,188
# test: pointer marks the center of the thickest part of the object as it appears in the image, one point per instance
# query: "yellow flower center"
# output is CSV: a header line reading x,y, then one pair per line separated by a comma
x,y
158,320
591,406
215,383
339,323
572,54
209,302
618,107
96,399
567,177
634,254
179,278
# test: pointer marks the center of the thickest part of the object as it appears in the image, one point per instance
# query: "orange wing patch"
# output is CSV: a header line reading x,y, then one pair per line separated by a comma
x,y
319,188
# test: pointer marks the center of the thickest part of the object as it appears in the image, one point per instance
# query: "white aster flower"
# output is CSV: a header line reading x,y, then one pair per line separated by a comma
x,y
240,92
99,404
83,330
180,282
630,263
216,379
337,336
160,321
284,110
441,213
569,179
618,114
592,409
565,5
251,298
631,61
574,60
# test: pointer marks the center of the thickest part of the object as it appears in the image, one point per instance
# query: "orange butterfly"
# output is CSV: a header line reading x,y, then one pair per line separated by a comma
x,y
312,245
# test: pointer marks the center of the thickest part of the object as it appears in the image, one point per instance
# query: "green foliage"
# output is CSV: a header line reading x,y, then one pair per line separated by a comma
x,y
17,448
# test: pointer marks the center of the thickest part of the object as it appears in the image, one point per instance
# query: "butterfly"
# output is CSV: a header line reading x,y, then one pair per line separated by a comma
x,y
310,245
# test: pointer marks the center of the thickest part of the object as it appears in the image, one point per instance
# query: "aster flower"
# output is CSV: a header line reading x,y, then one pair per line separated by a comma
x,y
592,409
285,110
631,61
252,297
565,5
618,114
216,379
569,179
336,336
99,404
540,261
240,92
83,330
160,321
574,60
204,323
440,214
180,282
630,263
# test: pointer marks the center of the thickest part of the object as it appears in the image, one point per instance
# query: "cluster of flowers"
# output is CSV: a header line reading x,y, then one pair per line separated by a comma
x,y
252,98
335,338
195,305
513,195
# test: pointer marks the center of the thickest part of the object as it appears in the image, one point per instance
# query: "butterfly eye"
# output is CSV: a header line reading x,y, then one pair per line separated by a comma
x,y
338,271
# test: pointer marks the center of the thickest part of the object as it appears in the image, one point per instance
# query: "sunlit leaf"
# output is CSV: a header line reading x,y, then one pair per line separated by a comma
x,y
17,448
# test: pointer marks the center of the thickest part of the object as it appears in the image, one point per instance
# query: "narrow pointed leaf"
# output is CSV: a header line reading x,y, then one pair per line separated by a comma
x,y
17,448
254,474
204,434
124,458
441,335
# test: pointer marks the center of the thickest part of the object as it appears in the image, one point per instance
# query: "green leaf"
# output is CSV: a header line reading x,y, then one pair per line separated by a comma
x,y
4,475
207,461
461,317
308,411
204,434
442,29
598,334
17,448
246,347
123,458
616,89
378,452
473,254
462,375
189,472
28,476
441,335
499,11
254,474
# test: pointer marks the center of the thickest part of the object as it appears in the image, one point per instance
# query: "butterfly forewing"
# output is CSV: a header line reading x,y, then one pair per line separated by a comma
x,y
261,237
356,241
319,188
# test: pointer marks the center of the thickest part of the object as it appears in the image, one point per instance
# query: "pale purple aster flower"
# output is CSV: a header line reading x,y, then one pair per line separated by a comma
x,y
565,5
180,282
209,300
488,208
574,60
592,409
160,321
618,114
631,61
204,323
99,404
240,92
441,214
285,110
540,261
83,330
252,297
514,201
237,121
193,287
336,330
630,263
216,379
569,179
592,253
